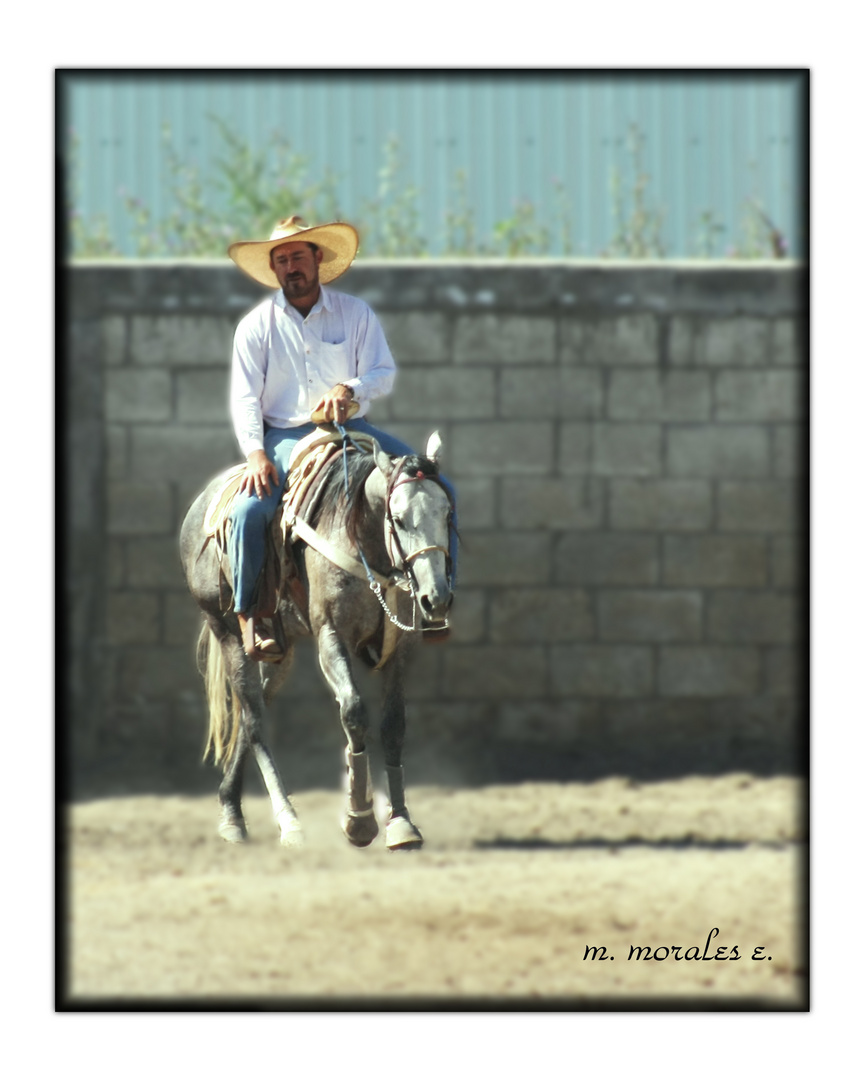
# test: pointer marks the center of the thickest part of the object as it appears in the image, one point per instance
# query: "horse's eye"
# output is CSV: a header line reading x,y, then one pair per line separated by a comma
x,y
398,521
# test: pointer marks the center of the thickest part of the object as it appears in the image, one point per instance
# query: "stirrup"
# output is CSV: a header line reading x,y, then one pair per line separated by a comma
x,y
256,645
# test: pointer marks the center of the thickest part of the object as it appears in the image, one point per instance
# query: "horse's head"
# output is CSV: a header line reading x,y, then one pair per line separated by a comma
x,y
418,514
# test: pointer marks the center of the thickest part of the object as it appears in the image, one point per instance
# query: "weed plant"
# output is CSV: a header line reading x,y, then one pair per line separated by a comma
x,y
250,189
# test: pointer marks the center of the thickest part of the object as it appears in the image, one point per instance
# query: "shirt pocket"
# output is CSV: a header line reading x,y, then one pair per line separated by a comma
x,y
334,362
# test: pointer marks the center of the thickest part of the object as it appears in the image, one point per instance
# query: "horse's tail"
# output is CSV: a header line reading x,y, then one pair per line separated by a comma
x,y
222,702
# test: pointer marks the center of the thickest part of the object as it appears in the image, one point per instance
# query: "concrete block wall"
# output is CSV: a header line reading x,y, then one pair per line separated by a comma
x,y
628,445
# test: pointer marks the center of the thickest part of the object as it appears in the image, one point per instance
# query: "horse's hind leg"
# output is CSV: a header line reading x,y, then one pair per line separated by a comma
x,y
401,834
232,827
359,823
246,680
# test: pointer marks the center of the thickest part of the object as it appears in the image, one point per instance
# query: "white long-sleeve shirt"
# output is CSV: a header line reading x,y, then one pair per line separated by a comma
x,y
283,363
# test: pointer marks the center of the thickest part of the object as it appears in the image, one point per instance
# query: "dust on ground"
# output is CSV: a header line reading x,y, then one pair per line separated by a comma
x,y
514,883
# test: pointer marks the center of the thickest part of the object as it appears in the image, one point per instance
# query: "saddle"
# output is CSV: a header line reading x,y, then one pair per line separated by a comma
x,y
280,578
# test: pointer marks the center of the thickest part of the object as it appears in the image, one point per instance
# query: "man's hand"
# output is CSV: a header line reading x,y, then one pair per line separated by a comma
x,y
335,403
259,470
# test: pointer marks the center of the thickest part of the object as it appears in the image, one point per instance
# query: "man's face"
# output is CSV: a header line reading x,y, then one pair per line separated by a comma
x,y
296,267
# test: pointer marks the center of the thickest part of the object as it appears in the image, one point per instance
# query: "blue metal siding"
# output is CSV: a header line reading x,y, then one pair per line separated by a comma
x,y
710,142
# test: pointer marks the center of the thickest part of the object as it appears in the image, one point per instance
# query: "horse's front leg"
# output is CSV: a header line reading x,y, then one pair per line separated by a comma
x,y
400,834
359,823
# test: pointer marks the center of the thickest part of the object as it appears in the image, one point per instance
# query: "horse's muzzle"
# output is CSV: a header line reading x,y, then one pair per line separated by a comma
x,y
435,606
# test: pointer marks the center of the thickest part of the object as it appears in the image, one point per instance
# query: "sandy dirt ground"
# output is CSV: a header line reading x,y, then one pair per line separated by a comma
x,y
514,883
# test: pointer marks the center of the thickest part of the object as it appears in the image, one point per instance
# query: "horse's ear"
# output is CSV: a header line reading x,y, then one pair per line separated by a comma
x,y
433,447
382,460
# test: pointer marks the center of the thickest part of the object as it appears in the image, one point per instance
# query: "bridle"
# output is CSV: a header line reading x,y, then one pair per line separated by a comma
x,y
402,564
395,550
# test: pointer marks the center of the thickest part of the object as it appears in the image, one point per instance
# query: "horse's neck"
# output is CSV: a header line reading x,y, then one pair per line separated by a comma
x,y
375,490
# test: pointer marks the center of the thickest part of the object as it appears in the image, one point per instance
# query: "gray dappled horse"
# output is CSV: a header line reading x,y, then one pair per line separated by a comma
x,y
396,516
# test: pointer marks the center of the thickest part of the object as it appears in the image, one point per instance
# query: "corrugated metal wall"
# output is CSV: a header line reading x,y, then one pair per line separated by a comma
x,y
711,140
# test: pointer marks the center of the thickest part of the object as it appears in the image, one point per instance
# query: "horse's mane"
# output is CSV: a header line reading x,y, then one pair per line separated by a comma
x,y
334,509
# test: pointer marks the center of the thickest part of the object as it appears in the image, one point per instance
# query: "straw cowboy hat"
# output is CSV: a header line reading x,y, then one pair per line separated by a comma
x,y
338,241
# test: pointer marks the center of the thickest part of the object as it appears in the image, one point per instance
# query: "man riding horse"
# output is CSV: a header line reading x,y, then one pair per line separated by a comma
x,y
304,351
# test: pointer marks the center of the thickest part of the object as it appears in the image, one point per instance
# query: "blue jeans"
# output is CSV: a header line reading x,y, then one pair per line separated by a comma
x,y
251,516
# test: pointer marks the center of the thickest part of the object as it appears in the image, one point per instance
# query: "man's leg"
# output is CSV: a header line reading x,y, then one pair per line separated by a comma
x,y
250,519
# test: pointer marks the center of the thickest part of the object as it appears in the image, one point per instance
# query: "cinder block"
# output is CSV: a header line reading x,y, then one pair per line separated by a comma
x,y
624,449
417,337
505,339
607,559
136,509
154,672
445,723
116,564
788,344
468,616
540,615
116,451
753,618
183,619
132,618
505,448
114,339
547,721
683,331
759,395
601,670
132,395
656,615
154,563
164,451
790,451
787,563
715,561
202,396
416,435
574,393
460,394
547,503
511,558
708,671
475,501
423,675
759,506
495,672
661,504
735,341
181,339
660,721
741,341
622,339
718,450
575,456
660,395
785,672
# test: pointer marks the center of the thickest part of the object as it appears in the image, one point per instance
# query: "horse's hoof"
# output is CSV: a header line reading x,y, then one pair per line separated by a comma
x,y
361,831
234,832
403,835
291,832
